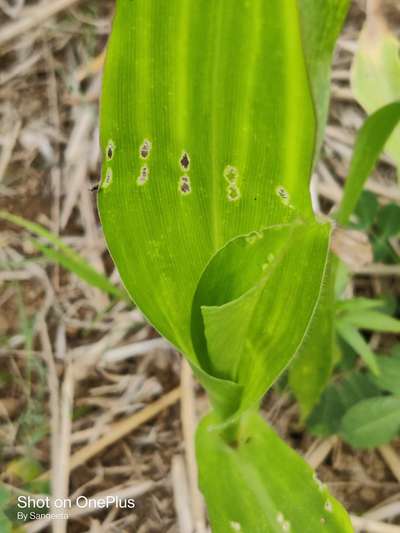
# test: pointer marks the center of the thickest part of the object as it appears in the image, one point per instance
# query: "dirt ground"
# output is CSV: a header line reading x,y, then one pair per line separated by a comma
x,y
68,351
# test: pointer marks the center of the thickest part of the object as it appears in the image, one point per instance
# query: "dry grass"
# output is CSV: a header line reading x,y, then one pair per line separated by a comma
x,y
87,389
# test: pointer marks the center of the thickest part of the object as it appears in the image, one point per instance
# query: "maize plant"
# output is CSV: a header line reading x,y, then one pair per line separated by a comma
x,y
212,116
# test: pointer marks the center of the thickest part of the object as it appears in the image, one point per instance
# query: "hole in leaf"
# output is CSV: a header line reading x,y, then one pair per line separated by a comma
x,y
110,150
283,194
145,149
185,161
108,179
144,176
233,192
184,185
328,506
231,173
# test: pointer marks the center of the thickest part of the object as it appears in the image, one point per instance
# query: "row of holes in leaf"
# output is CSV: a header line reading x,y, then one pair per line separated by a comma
x,y
184,181
144,154
231,174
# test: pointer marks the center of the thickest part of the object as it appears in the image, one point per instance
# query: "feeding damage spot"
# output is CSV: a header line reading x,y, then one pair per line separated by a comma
x,y
143,178
108,179
283,194
145,149
185,161
328,506
283,523
231,175
319,483
235,526
184,185
269,261
110,150
233,192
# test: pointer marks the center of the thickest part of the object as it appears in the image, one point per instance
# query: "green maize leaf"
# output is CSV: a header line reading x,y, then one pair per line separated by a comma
x,y
198,153
373,321
321,22
311,369
255,290
375,78
349,333
369,144
170,89
338,398
371,422
389,377
64,255
265,486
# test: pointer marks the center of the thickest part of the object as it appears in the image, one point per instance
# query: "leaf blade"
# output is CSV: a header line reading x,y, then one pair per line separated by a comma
x,y
255,494
187,98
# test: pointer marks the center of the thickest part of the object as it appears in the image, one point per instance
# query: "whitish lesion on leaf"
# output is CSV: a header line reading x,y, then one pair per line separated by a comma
x,y
283,194
268,262
184,185
233,192
185,161
108,178
143,177
145,149
235,526
319,483
285,524
231,175
328,506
